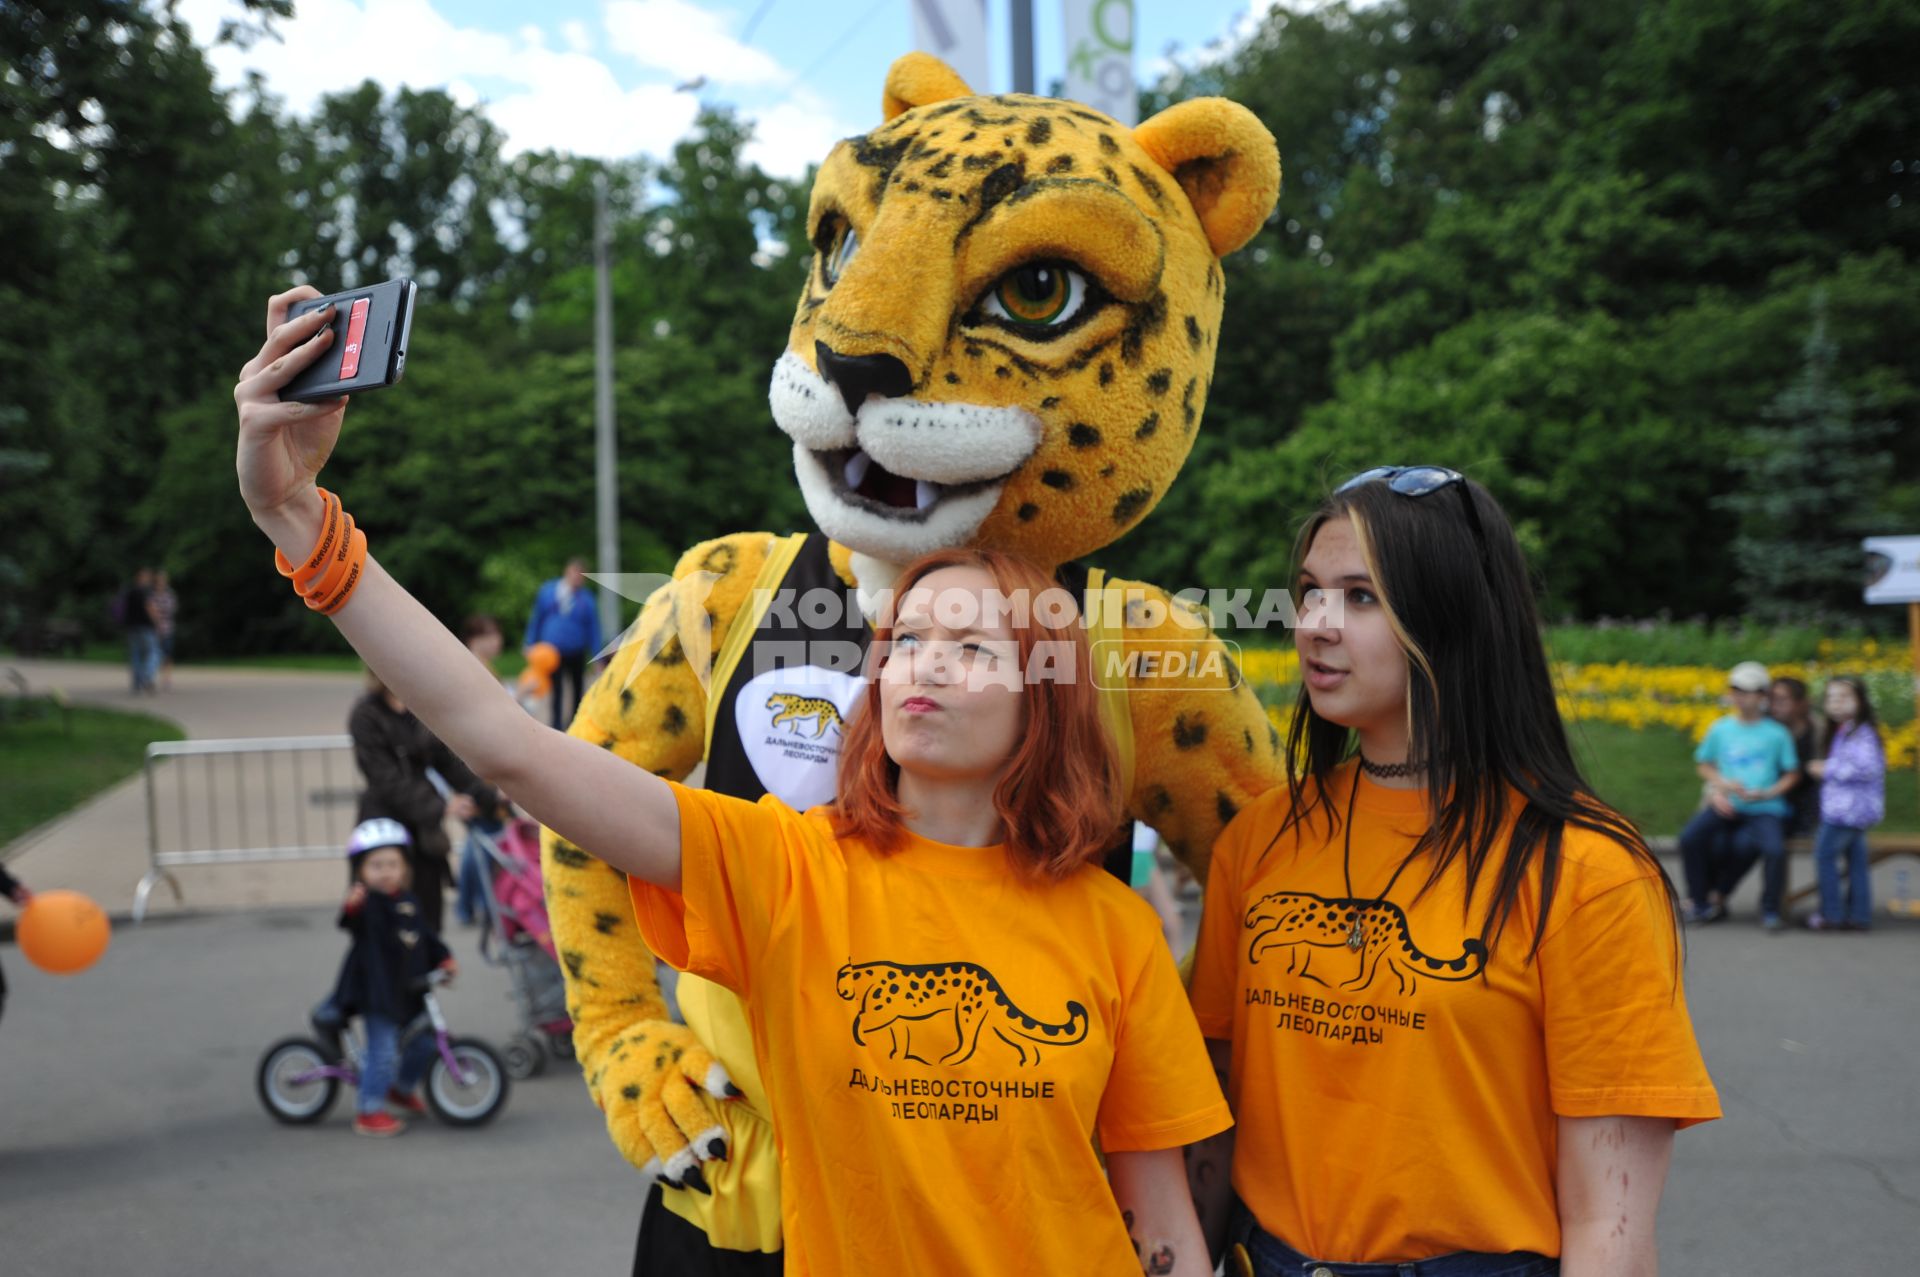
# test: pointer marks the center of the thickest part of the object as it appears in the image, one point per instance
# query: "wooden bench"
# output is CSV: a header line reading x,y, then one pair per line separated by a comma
x,y
1879,847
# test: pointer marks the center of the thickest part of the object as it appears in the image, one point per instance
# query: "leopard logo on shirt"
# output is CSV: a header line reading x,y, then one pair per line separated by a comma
x,y
1302,923
961,996
793,709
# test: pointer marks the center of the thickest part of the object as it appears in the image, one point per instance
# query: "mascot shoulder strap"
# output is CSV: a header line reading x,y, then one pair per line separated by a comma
x,y
747,623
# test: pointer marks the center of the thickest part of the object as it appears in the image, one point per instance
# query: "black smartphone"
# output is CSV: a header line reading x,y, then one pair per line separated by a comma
x,y
370,330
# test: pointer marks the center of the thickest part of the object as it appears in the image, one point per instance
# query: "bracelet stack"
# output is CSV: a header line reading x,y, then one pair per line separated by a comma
x,y
327,578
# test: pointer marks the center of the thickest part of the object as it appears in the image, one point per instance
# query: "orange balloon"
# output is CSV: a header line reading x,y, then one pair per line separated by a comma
x,y
542,660
62,932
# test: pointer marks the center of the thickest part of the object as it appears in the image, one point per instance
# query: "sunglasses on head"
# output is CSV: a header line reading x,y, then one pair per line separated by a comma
x,y
1421,481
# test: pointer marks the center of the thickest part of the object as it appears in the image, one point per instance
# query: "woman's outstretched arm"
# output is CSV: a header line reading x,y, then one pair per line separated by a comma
x,y
584,794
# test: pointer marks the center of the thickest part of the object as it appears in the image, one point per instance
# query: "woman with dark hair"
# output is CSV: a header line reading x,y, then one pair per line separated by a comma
x,y
1442,975
949,997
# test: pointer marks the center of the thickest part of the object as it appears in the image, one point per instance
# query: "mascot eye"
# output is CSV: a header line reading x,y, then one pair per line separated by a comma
x,y
845,243
1039,296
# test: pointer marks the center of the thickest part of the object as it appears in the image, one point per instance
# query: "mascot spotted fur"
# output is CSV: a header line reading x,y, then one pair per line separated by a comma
x,y
1005,339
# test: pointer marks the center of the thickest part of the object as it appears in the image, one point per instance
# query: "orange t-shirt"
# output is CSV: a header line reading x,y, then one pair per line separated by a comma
x,y
1399,1100
940,1039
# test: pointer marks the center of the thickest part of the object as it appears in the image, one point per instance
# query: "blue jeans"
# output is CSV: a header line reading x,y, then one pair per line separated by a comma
x,y
1274,1258
383,1050
143,656
1717,851
470,895
1829,845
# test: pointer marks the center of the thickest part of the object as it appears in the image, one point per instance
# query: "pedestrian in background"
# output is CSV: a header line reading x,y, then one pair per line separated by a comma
x,y
1749,764
566,614
134,609
15,890
1789,705
1853,799
396,753
165,607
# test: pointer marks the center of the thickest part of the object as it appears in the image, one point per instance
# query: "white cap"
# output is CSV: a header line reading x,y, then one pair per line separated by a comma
x,y
1750,676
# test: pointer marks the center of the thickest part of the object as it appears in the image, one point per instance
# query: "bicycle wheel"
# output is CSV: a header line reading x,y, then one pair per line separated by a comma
x,y
292,1084
473,1097
524,1057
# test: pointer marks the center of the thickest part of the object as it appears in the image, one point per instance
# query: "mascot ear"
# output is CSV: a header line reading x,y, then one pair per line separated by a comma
x,y
1224,159
920,79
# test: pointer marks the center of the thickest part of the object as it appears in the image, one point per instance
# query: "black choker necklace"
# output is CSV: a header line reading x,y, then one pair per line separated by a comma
x,y
1390,771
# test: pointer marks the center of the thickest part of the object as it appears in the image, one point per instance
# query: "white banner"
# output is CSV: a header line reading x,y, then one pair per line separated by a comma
x,y
955,31
1100,57
1893,569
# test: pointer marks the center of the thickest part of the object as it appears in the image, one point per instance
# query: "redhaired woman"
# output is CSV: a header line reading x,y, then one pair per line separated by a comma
x,y
950,998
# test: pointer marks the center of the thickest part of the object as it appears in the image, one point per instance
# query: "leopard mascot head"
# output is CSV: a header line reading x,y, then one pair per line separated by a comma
x,y
1008,328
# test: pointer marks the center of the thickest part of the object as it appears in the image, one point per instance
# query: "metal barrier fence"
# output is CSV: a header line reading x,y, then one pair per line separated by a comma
x,y
263,814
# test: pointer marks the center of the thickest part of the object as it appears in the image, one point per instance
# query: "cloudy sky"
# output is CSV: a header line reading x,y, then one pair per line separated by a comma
x,y
598,76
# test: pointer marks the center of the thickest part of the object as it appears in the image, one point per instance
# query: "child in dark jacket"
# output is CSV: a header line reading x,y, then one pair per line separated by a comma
x,y
384,975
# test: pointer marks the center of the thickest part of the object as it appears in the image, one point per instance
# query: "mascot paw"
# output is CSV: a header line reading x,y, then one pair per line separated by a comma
x,y
661,1088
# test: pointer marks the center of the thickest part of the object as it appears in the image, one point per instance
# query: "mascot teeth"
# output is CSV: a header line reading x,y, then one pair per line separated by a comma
x,y
856,469
902,476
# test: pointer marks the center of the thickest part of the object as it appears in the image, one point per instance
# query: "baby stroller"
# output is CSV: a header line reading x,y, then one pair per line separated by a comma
x,y
516,936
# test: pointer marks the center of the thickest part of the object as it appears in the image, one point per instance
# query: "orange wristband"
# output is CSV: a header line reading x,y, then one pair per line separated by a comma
x,y
324,547
324,583
329,574
328,604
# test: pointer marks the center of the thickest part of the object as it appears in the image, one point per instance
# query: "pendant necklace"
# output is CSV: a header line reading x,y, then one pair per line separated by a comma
x,y
1356,938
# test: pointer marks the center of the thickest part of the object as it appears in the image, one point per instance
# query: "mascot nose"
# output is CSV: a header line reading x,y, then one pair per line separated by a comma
x,y
857,376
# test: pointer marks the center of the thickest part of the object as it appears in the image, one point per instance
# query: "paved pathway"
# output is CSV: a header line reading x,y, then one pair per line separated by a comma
x,y
130,1138
101,848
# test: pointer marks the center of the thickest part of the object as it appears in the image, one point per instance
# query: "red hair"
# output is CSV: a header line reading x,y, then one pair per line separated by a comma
x,y
1059,802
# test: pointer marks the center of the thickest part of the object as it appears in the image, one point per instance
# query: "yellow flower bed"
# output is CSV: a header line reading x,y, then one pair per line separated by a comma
x,y
1688,698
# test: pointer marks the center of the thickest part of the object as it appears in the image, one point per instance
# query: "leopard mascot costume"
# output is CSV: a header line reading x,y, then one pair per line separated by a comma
x,y
1005,339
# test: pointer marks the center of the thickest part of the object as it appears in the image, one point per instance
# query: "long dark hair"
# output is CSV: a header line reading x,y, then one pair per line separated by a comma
x,y
1481,711
1864,718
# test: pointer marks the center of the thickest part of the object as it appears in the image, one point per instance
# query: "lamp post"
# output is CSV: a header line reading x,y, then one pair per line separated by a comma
x,y
607,502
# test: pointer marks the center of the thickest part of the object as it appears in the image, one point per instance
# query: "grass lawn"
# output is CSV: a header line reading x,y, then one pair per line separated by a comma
x,y
55,760
1649,776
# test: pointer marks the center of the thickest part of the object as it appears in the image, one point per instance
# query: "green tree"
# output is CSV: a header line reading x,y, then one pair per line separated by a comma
x,y
1811,473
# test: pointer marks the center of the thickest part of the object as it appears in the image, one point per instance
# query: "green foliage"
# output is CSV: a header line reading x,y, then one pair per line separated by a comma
x,y
1723,644
1571,249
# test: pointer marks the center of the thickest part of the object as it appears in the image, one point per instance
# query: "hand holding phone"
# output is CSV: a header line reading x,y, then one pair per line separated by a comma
x,y
282,446
371,327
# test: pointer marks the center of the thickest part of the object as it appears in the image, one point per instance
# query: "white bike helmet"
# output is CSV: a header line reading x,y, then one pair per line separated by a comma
x,y
371,835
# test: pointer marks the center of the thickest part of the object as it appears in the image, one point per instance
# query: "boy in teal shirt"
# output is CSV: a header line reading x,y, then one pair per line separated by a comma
x,y
1749,764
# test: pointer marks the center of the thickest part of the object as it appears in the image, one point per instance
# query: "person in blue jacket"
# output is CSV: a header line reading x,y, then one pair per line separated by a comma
x,y
567,615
